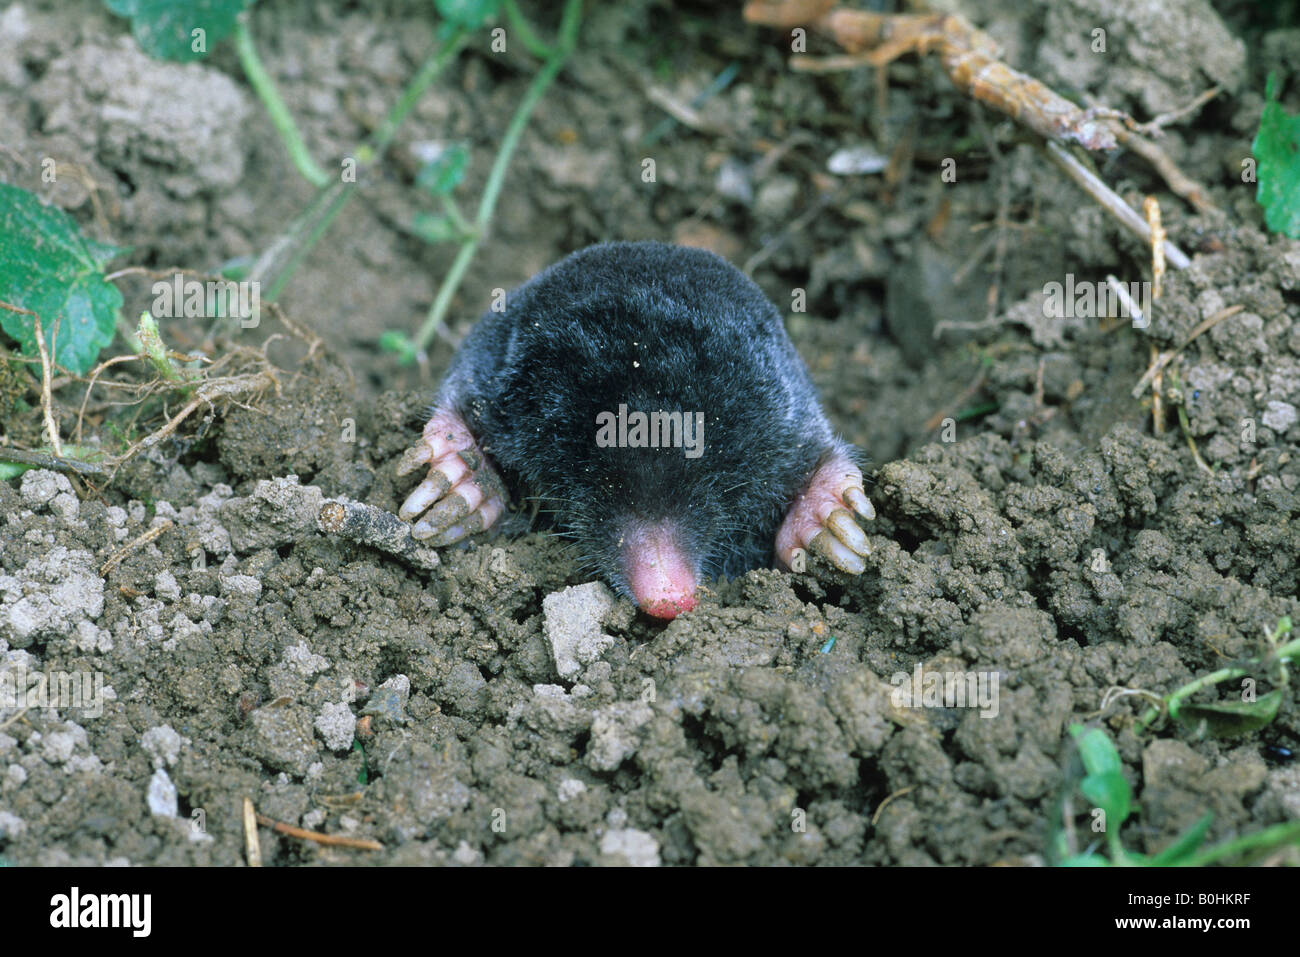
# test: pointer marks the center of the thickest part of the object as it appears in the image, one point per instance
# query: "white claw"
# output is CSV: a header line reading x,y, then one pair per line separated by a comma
x,y
837,553
842,525
857,500
421,497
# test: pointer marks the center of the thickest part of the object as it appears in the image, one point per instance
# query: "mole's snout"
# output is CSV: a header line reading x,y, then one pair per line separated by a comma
x,y
659,571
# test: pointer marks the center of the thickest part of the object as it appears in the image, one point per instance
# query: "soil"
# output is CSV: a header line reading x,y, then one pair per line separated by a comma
x,y
1037,521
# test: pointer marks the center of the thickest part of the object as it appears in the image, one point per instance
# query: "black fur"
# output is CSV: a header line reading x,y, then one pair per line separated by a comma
x,y
530,382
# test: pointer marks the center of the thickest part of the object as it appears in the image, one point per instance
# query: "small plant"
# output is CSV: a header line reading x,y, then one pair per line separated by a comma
x,y
53,279
1111,801
1277,151
1252,711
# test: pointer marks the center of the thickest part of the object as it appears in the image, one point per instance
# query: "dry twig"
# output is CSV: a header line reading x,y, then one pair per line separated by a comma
x,y
368,525
140,540
1163,359
332,840
970,58
1111,201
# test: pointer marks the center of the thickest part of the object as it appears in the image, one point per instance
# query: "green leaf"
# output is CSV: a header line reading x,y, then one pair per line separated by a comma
x,y
400,345
362,777
48,267
1186,844
1111,793
1085,860
1228,718
1277,151
470,14
164,28
1096,750
440,174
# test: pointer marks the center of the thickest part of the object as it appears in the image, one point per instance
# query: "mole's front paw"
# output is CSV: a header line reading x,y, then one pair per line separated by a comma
x,y
821,519
462,494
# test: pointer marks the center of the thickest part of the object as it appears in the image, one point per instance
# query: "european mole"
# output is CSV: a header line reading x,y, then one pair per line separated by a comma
x,y
648,395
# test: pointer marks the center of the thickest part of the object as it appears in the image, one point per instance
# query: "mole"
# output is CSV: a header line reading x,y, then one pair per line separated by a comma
x,y
648,397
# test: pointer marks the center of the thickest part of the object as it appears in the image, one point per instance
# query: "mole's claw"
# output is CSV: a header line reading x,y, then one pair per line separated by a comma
x,y
857,499
841,524
473,524
425,494
413,458
821,518
825,544
462,494
451,509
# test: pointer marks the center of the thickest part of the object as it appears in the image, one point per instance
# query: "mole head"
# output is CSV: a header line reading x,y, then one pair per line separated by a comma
x,y
650,522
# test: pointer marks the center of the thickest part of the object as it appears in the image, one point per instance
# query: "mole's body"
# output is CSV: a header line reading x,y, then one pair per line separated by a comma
x,y
649,396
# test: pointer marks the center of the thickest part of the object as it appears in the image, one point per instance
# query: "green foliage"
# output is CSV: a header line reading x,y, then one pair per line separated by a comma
x,y
400,344
440,175
435,229
469,14
1229,718
47,266
362,776
164,28
1104,786
1277,151
1225,719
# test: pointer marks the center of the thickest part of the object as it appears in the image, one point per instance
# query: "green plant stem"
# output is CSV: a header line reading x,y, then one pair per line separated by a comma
x,y
383,135
452,211
1283,654
1274,836
276,108
155,351
527,35
278,262
568,35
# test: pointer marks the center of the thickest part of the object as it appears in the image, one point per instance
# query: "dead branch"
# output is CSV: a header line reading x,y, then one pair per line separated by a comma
x,y
970,58
376,528
44,460
1111,201
139,541
208,393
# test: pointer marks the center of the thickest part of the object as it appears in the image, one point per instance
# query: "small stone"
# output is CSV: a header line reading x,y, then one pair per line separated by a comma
x,y
166,587
337,726
569,789
244,586
163,744
630,846
572,620
283,738
161,795
11,825
40,486
1279,416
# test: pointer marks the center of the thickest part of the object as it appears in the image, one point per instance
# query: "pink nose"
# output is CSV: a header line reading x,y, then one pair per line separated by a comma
x,y
662,578
667,608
